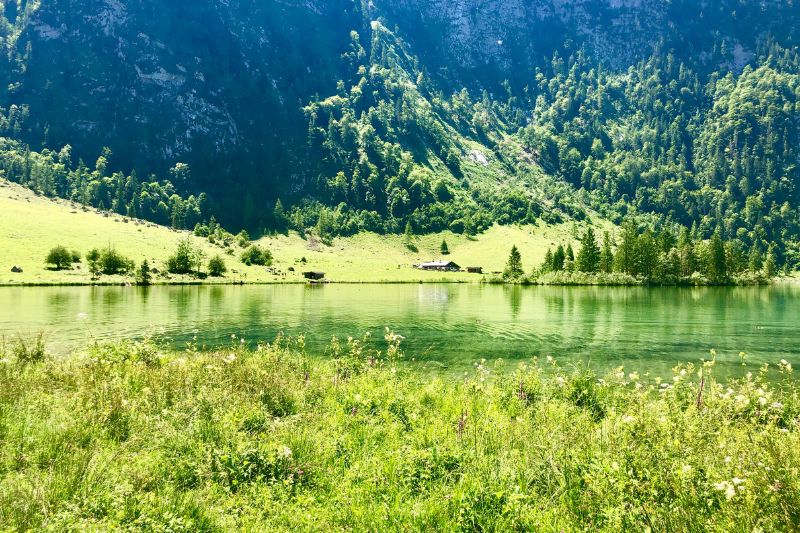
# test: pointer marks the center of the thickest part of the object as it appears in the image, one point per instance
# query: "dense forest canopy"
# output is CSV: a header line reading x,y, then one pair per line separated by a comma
x,y
400,116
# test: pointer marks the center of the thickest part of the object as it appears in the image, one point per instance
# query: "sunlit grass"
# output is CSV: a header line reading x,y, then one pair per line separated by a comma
x,y
132,436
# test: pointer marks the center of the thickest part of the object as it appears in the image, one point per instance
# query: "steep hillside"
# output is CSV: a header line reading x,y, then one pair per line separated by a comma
x,y
389,116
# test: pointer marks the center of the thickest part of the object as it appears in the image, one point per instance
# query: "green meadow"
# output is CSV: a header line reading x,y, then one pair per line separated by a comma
x,y
366,257
132,437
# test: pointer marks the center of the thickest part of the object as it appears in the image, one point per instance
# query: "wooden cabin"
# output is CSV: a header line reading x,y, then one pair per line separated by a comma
x,y
440,266
314,275
475,270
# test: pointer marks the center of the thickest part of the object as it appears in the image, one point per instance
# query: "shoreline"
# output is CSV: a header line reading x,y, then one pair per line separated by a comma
x,y
484,281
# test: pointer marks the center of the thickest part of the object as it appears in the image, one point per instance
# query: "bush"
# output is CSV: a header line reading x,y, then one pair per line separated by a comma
x,y
76,256
108,262
59,257
255,255
186,258
216,266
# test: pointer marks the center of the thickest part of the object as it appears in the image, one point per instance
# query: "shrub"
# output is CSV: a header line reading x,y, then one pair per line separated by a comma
x,y
76,256
108,262
28,351
216,266
255,255
186,258
59,257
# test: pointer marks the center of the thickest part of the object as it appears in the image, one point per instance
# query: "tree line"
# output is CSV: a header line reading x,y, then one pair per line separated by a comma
x,y
654,257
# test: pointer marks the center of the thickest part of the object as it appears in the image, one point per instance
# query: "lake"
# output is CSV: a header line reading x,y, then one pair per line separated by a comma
x,y
446,326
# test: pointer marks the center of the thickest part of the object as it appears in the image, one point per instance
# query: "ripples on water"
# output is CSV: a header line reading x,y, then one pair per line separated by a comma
x,y
452,325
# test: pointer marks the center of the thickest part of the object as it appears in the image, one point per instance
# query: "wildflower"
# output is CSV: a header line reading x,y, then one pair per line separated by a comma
x,y
286,452
230,359
785,366
777,406
726,487
633,376
686,470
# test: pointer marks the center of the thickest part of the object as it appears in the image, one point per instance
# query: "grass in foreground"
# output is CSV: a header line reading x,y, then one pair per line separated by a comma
x,y
127,436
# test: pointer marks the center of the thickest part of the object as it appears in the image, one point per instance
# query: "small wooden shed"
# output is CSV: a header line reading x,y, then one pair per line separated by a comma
x,y
314,275
475,270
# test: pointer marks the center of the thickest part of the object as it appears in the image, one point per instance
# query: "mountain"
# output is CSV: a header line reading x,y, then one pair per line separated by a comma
x,y
385,114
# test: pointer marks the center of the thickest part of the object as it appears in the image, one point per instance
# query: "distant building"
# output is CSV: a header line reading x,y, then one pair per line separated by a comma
x,y
314,275
441,266
475,270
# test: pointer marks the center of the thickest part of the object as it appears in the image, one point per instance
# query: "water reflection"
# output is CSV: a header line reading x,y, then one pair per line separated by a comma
x,y
453,325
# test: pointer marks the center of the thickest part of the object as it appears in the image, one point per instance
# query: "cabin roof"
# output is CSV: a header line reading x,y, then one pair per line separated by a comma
x,y
437,264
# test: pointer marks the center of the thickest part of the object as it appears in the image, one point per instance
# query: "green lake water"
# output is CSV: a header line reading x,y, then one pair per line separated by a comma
x,y
446,326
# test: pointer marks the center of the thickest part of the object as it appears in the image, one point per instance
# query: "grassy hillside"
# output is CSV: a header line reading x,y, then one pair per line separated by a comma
x,y
30,225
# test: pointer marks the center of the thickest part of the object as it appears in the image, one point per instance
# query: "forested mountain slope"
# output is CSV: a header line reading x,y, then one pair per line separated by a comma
x,y
387,115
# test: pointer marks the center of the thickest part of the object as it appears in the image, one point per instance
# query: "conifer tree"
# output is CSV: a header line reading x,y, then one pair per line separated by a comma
x,y
606,255
589,254
514,269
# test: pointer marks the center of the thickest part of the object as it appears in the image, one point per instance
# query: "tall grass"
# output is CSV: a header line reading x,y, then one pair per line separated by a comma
x,y
130,436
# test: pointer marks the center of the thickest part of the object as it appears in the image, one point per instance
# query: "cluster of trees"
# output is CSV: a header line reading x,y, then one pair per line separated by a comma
x,y
663,256
389,148
187,259
54,174
718,151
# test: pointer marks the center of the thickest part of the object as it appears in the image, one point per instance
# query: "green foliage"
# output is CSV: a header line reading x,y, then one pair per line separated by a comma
x,y
657,258
59,257
589,254
143,274
108,261
514,270
216,266
293,443
186,259
255,255
443,249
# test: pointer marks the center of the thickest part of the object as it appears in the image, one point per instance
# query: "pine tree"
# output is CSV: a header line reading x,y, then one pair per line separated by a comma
x,y
589,254
716,266
279,216
143,276
606,255
755,262
770,263
558,258
444,249
569,261
547,265
688,257
625,257
514,269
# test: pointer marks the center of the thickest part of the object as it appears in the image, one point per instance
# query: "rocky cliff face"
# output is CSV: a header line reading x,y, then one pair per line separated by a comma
x,y
220,83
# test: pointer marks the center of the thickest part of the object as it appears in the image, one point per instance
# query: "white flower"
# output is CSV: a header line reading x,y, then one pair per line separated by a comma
x,y
726,487
785,366
286,452
230,359
777,406
687,469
